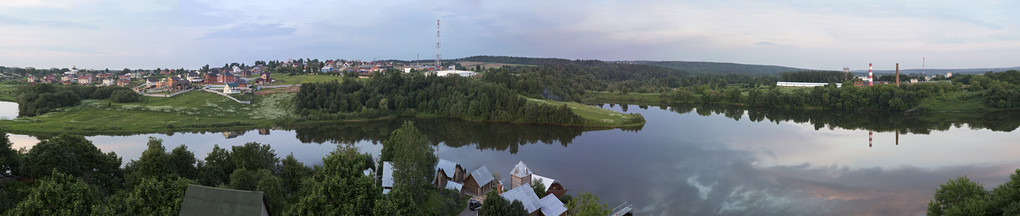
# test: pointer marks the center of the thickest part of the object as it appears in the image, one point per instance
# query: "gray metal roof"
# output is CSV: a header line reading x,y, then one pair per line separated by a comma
x,y
520,170
482,175
526,195
552,205
449,167
546,181
202,200
454,186
387,174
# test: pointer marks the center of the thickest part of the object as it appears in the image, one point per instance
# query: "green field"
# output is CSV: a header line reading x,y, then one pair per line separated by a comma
x,y
7,92
955,102
284,79
597,117
192,111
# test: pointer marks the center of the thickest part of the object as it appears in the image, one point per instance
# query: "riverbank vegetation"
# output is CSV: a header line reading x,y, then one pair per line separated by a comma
x,y
417,94
68,174
961,196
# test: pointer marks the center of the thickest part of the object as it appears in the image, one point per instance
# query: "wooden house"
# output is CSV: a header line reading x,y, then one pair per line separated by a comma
x,y
448,171
479,181
520,175
551,186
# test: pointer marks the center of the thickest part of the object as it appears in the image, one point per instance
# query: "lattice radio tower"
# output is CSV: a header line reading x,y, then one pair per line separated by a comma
x,y
438,56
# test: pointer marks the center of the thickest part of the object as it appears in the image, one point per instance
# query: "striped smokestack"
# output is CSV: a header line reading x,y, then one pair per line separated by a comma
x,y
871,79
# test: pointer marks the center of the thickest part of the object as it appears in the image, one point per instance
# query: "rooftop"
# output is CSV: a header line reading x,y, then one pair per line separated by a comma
x,y
482,175
202,200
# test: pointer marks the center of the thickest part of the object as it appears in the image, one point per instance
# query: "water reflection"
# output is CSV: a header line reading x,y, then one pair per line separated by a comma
x,y
449,132
687,160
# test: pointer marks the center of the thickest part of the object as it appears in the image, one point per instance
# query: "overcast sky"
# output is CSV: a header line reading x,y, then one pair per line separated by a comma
x,y
827,35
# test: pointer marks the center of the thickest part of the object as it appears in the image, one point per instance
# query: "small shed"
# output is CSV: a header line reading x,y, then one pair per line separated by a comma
x,y
202,200
479,181
520,175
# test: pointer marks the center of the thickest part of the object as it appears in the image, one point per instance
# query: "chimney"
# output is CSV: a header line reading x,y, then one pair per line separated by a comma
x,y
897,74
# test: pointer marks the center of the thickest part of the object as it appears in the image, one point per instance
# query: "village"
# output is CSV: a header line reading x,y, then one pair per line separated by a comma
x,y
229,80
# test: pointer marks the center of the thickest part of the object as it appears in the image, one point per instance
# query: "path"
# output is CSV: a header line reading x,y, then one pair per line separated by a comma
x,y
163,95
228,96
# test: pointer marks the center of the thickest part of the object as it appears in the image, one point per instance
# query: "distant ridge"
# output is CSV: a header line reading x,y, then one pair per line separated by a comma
x,y
718,67
691,67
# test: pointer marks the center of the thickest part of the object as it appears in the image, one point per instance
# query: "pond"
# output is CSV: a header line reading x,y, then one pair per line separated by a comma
x,y
691,160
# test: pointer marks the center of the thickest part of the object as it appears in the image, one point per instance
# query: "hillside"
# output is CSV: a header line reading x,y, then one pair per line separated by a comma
x,y
717,67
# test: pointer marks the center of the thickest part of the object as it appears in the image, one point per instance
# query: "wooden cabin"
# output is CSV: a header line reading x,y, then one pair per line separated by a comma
x,y
479,181
447,171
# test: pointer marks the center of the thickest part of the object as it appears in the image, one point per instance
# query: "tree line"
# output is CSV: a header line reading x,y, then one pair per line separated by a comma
x,y
396,93
39,99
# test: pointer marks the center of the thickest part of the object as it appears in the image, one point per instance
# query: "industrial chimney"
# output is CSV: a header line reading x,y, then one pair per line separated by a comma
x,y
897,74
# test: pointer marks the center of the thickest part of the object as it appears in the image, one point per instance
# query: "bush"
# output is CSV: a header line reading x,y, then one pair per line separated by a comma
x,y
124,96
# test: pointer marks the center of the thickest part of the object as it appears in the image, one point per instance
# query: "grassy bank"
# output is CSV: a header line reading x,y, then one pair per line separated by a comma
x,y
598,117
7,92
203,111
192,111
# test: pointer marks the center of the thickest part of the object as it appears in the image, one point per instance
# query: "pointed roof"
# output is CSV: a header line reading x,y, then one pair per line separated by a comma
x,y
552,205
202,200
521,170
545,180
526,195
482,175
449,167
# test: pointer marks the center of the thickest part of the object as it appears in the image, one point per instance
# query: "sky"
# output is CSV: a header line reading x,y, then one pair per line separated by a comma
x,y
826,35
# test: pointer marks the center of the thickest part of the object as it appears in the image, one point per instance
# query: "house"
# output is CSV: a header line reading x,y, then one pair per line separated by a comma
x,y
151,82
226,78
177,82
548,205
109,82
551,185
31,79
479,181
264,78
520,175
231,88
194,77
211,78
123,82
85,80
50,79
387,177
202,200
448,172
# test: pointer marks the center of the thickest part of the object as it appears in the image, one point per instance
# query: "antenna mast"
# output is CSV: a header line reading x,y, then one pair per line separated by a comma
x,y
438,63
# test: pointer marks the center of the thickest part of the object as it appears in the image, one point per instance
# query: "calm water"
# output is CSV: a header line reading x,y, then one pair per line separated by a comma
x,y
693,161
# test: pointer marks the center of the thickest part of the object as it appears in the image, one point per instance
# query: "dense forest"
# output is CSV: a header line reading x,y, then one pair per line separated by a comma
x,y
718,67
393,92
39,99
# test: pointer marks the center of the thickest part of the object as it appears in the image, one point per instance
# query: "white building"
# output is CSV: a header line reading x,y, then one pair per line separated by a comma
x,y
462,73
804,84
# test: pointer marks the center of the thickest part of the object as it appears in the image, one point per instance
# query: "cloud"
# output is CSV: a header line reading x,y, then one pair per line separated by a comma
x,y
7,20
250,31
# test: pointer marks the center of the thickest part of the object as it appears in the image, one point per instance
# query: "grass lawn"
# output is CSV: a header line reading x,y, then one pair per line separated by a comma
x,y
7,92
284,79
192,111
960,101
594,116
